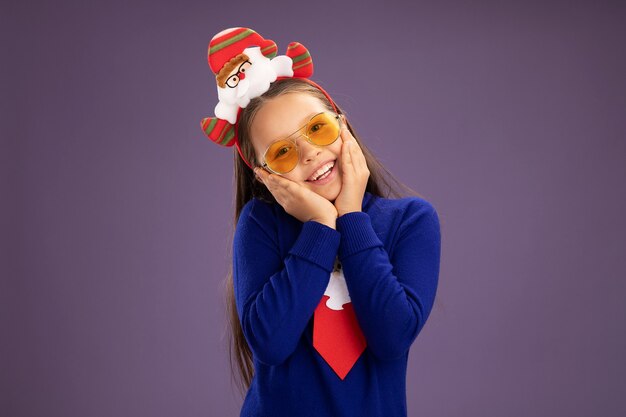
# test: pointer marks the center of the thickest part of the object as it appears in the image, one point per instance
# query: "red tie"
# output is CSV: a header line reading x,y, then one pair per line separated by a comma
x,y
336,332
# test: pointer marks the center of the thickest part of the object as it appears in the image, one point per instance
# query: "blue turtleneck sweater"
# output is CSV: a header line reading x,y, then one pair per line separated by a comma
x,y
389,253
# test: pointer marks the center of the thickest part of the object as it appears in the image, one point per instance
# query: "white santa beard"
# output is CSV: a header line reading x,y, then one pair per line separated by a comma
x,y
259,78
337,290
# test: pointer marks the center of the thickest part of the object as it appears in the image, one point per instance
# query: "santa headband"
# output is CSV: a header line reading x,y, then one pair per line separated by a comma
x,y
245,64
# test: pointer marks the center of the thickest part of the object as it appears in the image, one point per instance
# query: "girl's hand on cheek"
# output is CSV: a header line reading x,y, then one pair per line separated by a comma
x,y
299,201
354,175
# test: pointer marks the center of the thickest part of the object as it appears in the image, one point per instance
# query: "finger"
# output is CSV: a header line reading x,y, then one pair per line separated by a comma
x,y
355,156
283,189
346,152
282,185
361,165
274,188
361,162
269,179
273,180
276,179
344,125
346,136
260,174
346,158
358,156
269,183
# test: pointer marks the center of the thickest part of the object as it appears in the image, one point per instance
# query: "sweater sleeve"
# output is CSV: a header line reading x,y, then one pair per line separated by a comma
x,y
392,298
276,297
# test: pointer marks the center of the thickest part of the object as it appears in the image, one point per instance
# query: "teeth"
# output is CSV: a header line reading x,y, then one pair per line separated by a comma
x,y
321,171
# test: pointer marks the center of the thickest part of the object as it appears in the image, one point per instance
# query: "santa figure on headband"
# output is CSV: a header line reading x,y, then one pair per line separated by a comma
x,y
244,64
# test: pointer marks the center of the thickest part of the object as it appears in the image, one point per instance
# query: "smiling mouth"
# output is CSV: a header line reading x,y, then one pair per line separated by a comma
x,y
324,174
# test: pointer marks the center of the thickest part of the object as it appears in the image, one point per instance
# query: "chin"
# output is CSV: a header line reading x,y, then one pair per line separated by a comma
x,y
329,195
330,191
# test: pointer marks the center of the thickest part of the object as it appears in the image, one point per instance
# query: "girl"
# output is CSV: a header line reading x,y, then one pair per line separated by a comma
x,y
332,279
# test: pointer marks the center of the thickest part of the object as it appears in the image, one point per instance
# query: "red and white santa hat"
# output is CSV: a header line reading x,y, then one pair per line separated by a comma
x,y
233,51
231,42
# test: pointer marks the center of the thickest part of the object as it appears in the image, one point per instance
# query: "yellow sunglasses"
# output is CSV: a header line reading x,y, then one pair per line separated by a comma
x,y
283,155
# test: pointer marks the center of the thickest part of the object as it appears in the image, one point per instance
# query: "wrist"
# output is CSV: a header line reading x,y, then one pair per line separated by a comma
x,y
332,223
342,212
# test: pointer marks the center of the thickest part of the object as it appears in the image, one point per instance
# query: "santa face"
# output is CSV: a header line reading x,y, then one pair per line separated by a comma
x,y
282,116
254,76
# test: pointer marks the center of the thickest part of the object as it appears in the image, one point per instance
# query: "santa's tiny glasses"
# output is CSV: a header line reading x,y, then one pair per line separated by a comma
x,y
234,79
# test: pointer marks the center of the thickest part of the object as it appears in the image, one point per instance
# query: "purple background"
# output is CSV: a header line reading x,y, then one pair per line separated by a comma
x,y
508,117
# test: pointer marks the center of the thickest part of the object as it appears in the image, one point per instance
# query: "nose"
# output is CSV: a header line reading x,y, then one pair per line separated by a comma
x,y
242,75
308,151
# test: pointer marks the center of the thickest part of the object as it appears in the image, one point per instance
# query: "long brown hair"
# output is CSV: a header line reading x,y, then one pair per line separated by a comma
x,y
380,183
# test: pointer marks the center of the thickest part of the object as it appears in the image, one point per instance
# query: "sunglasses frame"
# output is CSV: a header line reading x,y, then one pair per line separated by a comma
x,y
292,139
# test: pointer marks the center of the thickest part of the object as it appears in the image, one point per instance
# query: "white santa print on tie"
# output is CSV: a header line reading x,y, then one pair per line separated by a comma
x,y
337,289
336,332
255,81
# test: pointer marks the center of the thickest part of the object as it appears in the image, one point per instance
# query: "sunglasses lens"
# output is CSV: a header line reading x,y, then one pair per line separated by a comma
x,y
282,155
323,129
